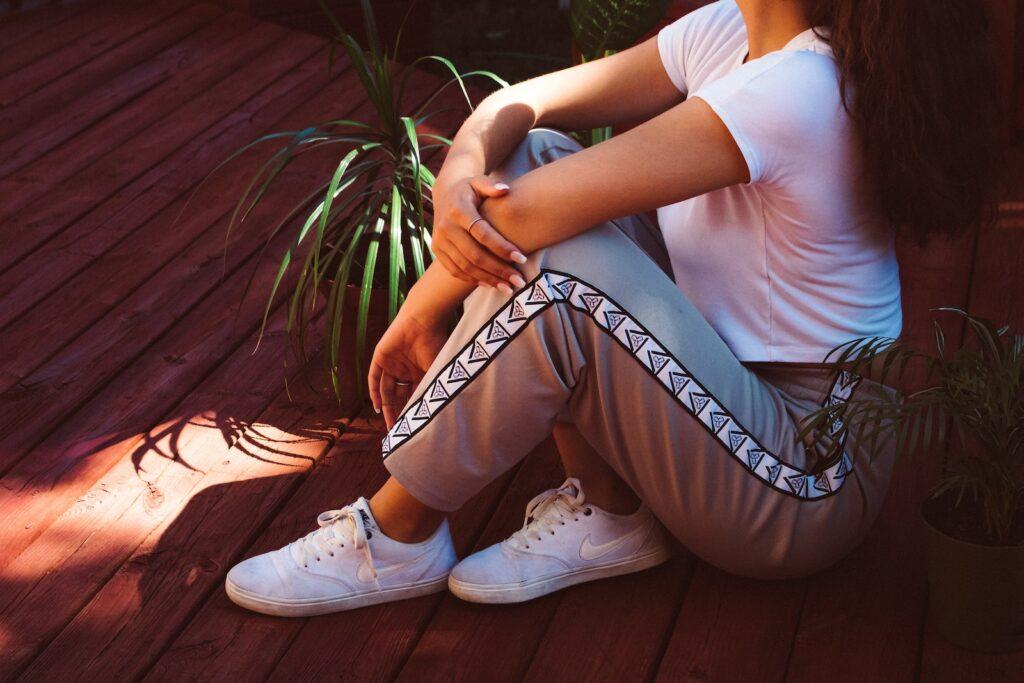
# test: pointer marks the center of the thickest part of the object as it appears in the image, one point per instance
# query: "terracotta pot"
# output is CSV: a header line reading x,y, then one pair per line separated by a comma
x,y
976,592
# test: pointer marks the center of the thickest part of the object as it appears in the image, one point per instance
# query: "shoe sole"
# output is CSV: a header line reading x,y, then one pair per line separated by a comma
x,y
530,590
309,608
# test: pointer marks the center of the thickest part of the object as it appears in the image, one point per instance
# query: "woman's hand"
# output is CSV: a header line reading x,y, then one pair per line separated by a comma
x,y
467,245
403,355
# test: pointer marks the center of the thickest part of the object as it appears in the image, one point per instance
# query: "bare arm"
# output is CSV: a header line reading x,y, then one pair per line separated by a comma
x,y
682,153
627,87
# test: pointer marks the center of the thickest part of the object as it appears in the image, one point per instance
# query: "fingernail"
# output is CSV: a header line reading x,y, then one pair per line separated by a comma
x,y
518,281
518,257
505,288
376,410
500,186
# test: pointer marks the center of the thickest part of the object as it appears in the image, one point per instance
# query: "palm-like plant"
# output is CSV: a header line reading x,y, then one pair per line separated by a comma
x,y
974,393
603,27
377,198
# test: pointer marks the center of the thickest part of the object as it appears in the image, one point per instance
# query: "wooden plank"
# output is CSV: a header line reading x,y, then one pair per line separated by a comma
x,y
36,123
208,511
215,54
121,528
97,31
31,35
157,375
615,629
943,662
226,642
732,629
115,596
172,284
16,29
118,343
866,611
464,641
183,147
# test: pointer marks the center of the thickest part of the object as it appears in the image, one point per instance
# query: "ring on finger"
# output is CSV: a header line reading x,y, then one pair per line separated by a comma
x,y
475,221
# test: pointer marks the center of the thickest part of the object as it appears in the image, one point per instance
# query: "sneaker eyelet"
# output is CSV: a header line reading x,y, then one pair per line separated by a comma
x,y
369,535
588,512
552,533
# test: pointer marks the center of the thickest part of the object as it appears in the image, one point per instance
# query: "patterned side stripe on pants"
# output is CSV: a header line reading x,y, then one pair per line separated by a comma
x,y
552,287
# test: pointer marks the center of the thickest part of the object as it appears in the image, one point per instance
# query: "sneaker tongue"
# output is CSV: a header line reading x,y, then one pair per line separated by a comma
x,y
571,486
363,507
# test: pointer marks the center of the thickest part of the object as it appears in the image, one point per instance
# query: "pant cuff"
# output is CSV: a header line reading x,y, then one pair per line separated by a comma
x,y
414,484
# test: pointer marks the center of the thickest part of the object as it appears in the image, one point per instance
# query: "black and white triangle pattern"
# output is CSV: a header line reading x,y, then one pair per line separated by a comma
x,y
550,288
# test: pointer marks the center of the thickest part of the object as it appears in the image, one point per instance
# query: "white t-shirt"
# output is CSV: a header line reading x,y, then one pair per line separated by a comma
x,y
799,260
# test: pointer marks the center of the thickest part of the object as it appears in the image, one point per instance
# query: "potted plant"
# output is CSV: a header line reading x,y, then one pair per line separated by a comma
x,y
970,416
362,235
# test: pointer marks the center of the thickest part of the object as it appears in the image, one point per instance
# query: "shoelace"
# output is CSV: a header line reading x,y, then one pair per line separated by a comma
x,y
549,510
337,527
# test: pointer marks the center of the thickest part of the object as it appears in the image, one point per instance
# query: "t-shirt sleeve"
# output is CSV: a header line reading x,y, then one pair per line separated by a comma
x,y
776,109
673,42
687,43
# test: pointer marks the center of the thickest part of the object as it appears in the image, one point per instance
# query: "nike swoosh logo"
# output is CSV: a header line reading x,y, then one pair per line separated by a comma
x,y
589,551
366,576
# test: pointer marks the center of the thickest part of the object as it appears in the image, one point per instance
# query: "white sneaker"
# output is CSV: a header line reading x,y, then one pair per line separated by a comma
x,y
346,563
563,542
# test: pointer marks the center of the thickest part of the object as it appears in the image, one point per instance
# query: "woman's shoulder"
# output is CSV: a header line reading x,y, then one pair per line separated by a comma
x,y
779,108
790,79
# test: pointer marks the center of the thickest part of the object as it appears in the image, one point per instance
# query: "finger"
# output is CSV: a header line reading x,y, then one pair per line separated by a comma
x,y
482,276
485,260
484,233
373,382
386,389
400,397
393,397
453,268
485,186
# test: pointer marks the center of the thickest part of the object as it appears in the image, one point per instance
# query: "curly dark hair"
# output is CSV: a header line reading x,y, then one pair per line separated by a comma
x,y
920,81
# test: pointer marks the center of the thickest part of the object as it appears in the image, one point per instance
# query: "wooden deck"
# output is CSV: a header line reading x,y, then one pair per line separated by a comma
x,y
144,449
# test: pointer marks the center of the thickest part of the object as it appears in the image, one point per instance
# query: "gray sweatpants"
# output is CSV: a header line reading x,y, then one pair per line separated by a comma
x,y
601,336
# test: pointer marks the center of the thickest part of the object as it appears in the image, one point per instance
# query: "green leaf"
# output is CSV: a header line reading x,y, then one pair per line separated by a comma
x,y
602,25
364,295
396,265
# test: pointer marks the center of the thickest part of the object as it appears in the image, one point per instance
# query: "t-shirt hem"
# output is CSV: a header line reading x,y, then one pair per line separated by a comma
x,y
784,354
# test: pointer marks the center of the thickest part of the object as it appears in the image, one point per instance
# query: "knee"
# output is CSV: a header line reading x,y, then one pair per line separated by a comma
x,y
604,247
540,146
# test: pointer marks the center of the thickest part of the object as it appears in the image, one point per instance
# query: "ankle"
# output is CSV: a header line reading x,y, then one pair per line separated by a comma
x,y
405,528
401,517
614,499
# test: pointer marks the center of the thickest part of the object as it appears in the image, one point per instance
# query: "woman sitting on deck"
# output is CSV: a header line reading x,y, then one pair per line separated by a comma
x,y
784,141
